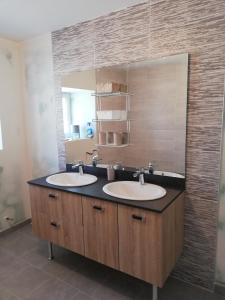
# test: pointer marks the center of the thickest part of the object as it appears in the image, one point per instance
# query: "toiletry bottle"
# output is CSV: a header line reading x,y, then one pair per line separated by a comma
x,y
90,131
110,173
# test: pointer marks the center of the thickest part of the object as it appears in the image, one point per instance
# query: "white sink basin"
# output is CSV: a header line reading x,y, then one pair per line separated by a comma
x,y
71,179
169,174
133,190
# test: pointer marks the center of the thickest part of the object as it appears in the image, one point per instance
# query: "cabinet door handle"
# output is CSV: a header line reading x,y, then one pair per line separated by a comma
x,y
52,196
138,218
54,224
99,208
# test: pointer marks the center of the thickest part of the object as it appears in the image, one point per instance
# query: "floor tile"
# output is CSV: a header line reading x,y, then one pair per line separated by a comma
x,y
173,291
18,244
23,284
82,296
85,282
211,296
26,273
118,286
78,271
54,289
26,229
10,264
6,295
37,257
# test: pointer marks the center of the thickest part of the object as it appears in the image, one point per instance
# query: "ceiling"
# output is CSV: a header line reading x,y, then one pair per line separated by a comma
x,y
24,19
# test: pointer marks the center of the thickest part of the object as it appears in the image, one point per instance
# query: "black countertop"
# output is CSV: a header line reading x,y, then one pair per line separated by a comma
x,y
95,191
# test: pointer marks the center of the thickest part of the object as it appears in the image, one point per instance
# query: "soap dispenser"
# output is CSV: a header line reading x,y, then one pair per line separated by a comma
x,y
110,173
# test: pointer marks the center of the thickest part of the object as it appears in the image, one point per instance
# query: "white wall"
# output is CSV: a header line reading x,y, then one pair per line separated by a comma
x,y
28,122
14,165
40,105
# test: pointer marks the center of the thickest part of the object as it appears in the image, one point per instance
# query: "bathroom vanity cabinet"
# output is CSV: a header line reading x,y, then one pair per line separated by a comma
x,y
139,242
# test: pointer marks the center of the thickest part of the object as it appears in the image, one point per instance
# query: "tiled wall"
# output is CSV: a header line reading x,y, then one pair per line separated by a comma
x,y
220,266
155,29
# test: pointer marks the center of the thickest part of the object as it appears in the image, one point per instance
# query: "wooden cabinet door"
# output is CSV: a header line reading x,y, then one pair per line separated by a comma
x,y
53,199
57,217
139,243
46,214
72,220
101,231
39,213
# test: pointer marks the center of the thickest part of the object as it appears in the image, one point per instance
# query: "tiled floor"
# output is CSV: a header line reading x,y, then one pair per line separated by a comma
x,y
25,273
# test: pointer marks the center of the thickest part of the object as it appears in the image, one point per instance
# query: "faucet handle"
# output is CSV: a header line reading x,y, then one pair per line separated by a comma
x,y
117,165
136,174
139,171
150,168
77,164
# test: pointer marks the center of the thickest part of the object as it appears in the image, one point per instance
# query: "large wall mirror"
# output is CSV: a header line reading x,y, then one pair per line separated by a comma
x,y
132,114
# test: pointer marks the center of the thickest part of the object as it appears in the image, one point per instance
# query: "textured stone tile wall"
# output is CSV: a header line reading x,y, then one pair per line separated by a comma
x,y
155,29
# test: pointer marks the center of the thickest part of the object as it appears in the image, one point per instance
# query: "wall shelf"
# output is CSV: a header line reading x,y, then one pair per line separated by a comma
x,y
100,122
110,120
116,94
113,146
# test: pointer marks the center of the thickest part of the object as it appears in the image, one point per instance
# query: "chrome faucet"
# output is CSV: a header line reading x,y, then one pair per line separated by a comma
x,y
95,160
95,157
150,168
140,173
81,167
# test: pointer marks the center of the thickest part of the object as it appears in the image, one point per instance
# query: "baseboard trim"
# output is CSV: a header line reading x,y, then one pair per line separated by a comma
x,y
220,289
15,227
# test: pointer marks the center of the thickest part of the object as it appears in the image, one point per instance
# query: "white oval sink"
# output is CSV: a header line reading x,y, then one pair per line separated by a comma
x,y
133,190
71,179
169,174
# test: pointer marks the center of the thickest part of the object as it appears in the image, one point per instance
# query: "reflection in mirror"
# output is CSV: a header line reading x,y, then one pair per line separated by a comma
x,y
78,113
136,114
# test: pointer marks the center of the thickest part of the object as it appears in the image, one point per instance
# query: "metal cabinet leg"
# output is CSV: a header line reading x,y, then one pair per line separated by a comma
x,y
50,251
154,292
